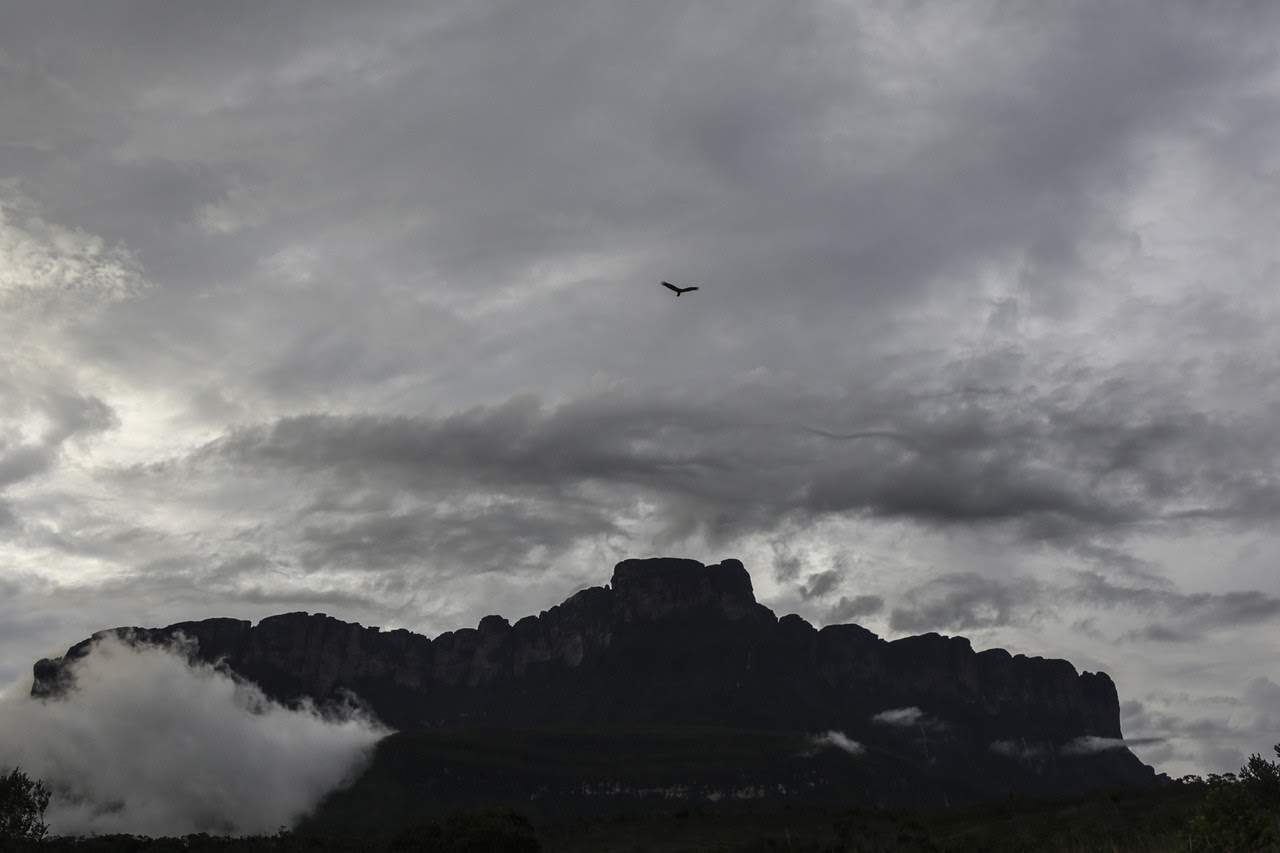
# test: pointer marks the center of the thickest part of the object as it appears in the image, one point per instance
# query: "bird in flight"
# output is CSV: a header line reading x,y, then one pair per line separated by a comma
x,y
678,290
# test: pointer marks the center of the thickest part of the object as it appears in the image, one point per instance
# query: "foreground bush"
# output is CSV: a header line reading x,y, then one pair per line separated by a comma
x,y
1241,813
22,805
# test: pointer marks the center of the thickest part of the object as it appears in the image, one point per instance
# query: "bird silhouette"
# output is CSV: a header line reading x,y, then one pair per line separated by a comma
x,y
678,290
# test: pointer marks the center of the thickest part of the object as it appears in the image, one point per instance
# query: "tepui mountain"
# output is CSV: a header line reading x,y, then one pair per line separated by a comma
x,y
672,645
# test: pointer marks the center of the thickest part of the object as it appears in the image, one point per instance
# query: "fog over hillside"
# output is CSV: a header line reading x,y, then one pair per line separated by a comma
x,y
149,745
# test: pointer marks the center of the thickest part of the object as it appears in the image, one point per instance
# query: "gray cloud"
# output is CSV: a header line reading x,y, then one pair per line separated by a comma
x,y
819,584
848,609
1188,616
1162,634
967,601
683,454
61,417
1213,733
964,602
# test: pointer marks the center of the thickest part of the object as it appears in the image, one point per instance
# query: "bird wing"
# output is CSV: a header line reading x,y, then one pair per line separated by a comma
x,y
670,286
687,289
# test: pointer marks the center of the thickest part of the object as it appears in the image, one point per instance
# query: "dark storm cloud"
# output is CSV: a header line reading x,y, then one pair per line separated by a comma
x,y
60,417
511,477
1163,634
964,602
495,535
850,609
1186,616
996,465
819,584
786,567
482,489
967,601
1215,733
513,445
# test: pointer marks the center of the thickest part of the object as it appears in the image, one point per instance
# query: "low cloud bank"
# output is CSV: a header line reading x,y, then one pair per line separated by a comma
x,y
147,744
1020,749
911,717
1090,744
840,741
900,717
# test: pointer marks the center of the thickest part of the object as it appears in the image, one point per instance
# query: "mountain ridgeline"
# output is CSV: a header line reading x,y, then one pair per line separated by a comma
x,y
675,644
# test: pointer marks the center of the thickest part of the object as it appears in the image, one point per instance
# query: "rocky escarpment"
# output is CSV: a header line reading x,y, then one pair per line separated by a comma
x,y
674,642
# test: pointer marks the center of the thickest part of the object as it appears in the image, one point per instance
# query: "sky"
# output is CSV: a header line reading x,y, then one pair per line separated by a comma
x,y
355,309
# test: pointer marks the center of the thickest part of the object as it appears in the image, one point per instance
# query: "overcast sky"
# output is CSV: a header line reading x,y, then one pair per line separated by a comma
x,y
355,308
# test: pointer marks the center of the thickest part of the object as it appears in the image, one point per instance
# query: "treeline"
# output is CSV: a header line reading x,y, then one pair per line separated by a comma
x,y
1220,813
494,831
1241,812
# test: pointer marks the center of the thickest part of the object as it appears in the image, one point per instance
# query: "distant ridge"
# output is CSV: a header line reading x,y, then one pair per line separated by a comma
x,y
675,643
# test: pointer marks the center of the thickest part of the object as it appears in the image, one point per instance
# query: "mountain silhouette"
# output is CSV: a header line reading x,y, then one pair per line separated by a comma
x,y
672,644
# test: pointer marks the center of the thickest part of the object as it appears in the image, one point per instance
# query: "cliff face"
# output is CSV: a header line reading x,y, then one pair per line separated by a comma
x,y
674,642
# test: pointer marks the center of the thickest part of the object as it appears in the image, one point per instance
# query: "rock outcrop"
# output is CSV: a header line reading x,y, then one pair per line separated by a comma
x,y
674,642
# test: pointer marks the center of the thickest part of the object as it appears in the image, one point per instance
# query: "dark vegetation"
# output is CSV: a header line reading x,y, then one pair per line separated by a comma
x,y
23,801
562,774
1224,813
1139,820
